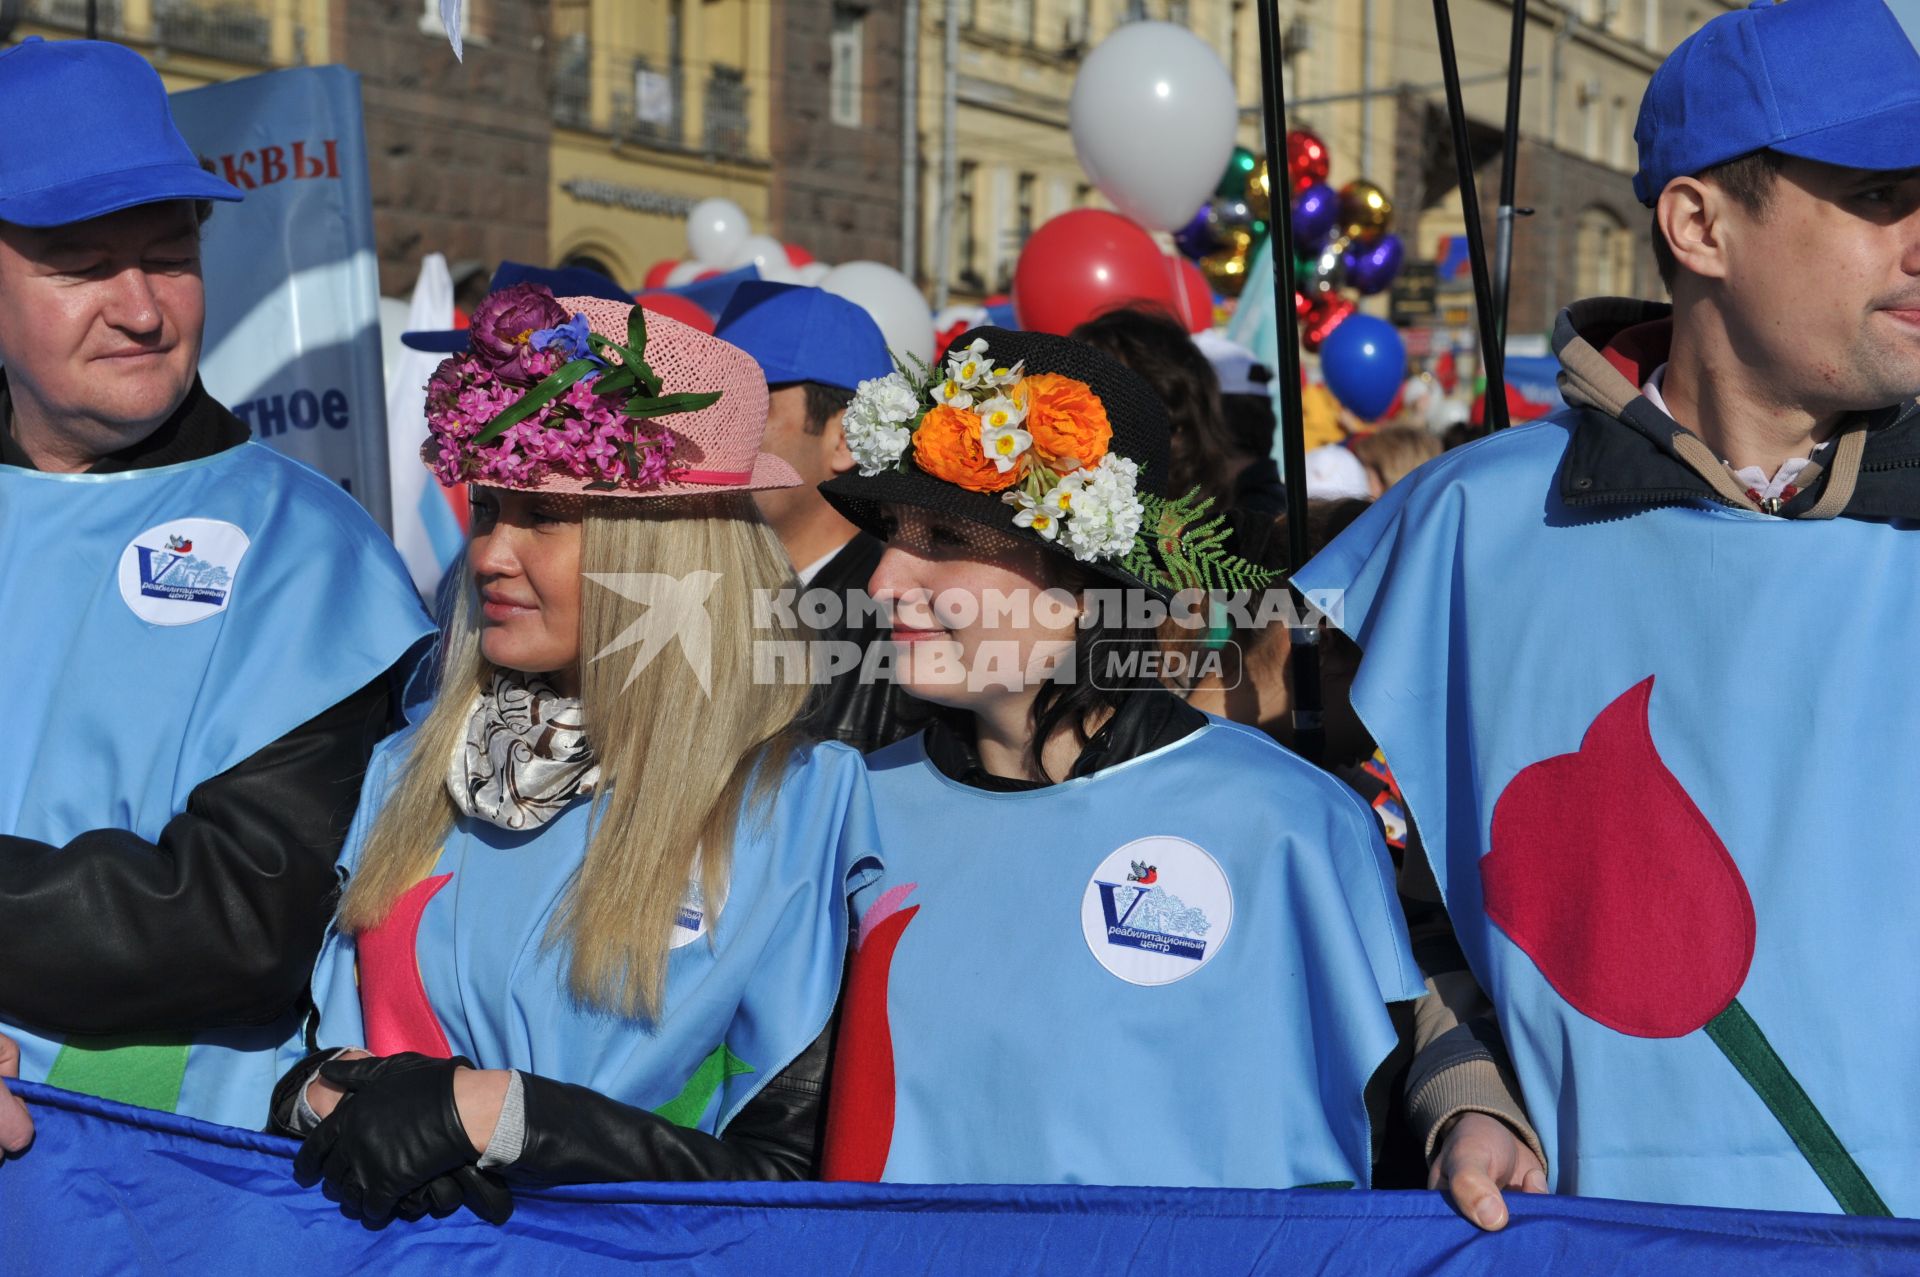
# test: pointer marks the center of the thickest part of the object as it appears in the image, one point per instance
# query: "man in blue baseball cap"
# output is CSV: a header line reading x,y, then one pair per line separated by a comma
x,y
202,633
815,349
1636,667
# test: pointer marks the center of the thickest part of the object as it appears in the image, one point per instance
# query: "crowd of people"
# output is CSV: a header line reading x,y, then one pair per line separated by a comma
x,y
579,874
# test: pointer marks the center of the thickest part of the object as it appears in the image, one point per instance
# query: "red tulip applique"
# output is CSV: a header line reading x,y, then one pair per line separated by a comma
x,y
1604,872
861,1108
394,1007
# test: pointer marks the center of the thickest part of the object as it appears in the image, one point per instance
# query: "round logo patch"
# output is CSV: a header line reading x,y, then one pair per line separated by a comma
x,y
1156,910
182,571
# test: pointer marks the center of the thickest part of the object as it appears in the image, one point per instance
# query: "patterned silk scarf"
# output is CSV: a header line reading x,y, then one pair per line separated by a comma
x,y
526,755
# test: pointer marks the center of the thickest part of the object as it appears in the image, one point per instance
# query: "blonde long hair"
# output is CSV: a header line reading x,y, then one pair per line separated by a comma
x,y
677,765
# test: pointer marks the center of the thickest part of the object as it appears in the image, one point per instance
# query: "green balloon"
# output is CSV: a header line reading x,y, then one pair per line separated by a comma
x,y
1233,183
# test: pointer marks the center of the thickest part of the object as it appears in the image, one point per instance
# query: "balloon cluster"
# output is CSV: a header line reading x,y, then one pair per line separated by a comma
x,y
1341,239
1152,116
720,240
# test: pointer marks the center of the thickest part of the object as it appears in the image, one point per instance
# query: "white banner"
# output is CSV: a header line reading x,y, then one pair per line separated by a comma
x,y
293,285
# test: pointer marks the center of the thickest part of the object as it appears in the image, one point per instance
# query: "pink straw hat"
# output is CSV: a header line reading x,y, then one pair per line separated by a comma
x,y
581,442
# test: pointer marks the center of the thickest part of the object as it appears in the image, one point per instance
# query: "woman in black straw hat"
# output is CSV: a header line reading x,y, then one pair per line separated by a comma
x,y
1117,940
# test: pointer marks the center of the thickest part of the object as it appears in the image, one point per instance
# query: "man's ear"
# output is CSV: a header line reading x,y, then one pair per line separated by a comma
x,y
1692,215
834,437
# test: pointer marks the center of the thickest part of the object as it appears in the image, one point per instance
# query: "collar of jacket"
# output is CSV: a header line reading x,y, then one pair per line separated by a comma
x,y
1144,722
1626,452
200,427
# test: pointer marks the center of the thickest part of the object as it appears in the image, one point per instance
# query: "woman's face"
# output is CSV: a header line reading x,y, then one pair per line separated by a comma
x,y
974,622
524,551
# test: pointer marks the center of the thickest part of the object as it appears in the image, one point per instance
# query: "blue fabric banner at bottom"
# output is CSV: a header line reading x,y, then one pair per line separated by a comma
x,y
109,1189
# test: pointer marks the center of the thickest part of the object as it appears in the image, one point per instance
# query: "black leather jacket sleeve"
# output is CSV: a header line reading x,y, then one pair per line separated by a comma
x,y
579,1136
215,923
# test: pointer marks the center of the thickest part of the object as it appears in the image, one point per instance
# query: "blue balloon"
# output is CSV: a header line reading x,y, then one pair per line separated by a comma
x,y
1364,362
1371,267
1196,239
1315,212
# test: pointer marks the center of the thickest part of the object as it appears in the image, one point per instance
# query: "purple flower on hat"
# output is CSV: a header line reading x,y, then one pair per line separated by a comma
x,y
503,328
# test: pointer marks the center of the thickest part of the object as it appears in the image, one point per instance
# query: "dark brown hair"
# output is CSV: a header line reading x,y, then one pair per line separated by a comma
x,y
1156,346
822,402
1747,180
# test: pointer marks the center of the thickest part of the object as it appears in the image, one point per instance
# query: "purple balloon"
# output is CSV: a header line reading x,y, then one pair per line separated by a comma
x,y
1314,214
1196,238
1371,267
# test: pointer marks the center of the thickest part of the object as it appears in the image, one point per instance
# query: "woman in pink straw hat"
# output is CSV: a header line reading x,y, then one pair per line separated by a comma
x,y
594,917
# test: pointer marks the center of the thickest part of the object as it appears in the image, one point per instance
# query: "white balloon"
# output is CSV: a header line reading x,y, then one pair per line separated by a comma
x,y
767,255
905,319
1153,120
683,273
717,227
811,274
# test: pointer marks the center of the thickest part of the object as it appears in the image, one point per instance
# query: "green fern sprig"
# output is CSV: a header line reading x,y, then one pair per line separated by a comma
x,y
1183,547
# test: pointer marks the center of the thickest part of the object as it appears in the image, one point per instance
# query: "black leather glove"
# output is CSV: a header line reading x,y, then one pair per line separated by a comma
x,y
394,1133
579,1136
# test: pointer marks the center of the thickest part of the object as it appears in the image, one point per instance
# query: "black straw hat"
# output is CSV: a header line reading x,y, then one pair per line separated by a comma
x,y
1141,434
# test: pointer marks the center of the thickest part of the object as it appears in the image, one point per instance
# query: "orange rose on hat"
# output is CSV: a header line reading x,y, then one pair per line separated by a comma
x,y
1066,419
947,446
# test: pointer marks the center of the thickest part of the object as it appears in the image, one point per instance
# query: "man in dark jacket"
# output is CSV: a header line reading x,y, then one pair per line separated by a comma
x,y
204,634
1633,750
816,349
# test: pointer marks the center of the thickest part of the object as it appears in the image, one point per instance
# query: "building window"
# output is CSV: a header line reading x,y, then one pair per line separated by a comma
x,y
1022,212
1603,255
963,215
843,80
1592,109
726,115
1622,136
1177,12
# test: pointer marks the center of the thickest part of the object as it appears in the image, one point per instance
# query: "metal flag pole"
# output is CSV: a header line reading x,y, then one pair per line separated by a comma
x,y
1309,733
1492,352
1509,169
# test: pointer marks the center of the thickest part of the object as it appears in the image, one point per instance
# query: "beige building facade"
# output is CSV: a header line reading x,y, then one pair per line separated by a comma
x,y
656,106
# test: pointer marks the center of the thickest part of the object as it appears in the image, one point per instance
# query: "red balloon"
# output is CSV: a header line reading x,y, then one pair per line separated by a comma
x,y
712,272
798,256
1325,313
658,272
1199,298
1307,159
674,306
1083,263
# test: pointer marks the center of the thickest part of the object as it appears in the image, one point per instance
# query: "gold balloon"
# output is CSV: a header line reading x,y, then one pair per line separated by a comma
x,y
1259,196
1226,268
1365,211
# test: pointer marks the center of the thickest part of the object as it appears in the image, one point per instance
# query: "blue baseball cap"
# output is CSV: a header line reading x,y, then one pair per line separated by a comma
x,y
1837,81
89,132
566,281
796,333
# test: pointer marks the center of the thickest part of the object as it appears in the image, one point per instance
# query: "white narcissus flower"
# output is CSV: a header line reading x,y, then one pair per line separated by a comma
x,y
968,365
1032,514
1000,413
1003,376
1107,512
953,394
1003,445
1059,498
